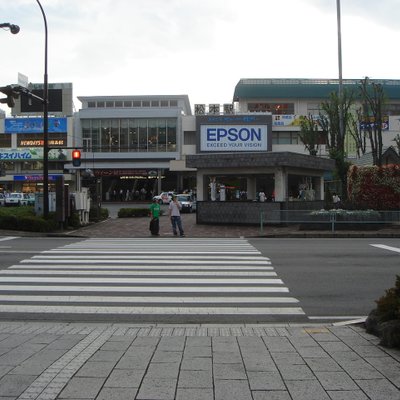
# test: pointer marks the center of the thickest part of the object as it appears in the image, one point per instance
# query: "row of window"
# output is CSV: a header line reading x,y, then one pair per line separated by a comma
x,y
312,108
126,135
132,103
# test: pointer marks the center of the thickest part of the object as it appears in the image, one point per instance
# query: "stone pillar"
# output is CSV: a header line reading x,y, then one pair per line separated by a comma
x,y
200,186
251,188
319,188
281,184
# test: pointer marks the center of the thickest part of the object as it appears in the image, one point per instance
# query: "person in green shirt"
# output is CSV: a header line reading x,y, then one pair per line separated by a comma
x,y
155,211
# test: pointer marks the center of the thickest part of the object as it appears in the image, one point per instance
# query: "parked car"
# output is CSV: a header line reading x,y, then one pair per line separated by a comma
x,y
29,199
14,199
188,202
19,199
164,197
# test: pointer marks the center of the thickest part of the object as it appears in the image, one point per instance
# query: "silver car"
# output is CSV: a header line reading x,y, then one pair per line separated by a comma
x,y
187,201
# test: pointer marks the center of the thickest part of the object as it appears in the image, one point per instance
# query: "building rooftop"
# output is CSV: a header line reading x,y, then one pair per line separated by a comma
x,y
304,88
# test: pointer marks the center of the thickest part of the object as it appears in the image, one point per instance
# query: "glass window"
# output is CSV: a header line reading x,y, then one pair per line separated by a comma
x,y
5,140
91,104
145,103
114,141
164,103
171,135
137,103
133,135
189,137
162,135
100,104
155,103
106,137
153,137
173,103
96,143
128,104
118,104
142,134
109,104
123,145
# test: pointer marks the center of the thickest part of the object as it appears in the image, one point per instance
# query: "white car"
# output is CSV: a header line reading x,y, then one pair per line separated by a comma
x,y
164,197
17,199
187,201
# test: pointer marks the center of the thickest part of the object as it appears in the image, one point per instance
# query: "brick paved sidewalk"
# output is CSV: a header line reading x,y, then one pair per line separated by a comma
x,y
194,362
139,227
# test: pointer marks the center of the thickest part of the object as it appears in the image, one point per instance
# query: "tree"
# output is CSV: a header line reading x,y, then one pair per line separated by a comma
x,y
334,109
310,134
373,100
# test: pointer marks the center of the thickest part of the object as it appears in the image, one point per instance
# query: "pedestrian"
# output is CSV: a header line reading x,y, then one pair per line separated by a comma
x,y
261,196
155,211
336,200
174,212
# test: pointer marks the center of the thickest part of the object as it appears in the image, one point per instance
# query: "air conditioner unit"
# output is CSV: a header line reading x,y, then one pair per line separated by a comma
x,y
199,109
213,108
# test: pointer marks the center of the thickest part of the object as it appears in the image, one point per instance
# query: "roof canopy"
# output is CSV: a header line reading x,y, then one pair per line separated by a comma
x,y
304,88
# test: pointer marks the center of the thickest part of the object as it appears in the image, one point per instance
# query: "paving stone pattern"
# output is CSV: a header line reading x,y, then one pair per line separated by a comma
x,y
74,361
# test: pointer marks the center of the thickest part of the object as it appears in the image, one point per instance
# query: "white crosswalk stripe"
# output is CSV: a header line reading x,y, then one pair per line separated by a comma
x,y
148,277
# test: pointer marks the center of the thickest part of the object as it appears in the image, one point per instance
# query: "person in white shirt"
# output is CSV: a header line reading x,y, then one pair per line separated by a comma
x,y
174,212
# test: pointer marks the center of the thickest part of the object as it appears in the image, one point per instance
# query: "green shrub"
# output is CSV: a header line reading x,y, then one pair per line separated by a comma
x,y
95,216
73,220
388,306
28,223
133,212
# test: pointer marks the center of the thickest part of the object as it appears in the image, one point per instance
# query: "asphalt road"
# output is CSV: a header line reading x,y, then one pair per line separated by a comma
x,y
334,277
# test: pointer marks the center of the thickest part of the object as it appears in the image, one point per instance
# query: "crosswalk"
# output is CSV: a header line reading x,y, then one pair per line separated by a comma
x,y
148,279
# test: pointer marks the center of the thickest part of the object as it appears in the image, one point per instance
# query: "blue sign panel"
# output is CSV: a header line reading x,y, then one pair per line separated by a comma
x,y
34,125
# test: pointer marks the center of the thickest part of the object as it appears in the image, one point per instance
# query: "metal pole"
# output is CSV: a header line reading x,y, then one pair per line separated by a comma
x,y
45,124
341,122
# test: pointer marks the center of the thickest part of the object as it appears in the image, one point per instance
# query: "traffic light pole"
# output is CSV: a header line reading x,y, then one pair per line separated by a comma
x,y
45,124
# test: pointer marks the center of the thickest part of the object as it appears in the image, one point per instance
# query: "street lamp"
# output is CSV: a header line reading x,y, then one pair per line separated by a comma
x,y
45,124
14,29
341,122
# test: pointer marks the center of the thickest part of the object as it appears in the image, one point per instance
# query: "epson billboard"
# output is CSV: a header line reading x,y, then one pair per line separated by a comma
x,y
234,133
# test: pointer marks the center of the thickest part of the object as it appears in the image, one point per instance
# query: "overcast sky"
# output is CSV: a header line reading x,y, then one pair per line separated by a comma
x,y
199,48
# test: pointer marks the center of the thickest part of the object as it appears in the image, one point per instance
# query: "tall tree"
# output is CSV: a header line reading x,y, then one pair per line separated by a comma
x,y
373,101
310,134
332,110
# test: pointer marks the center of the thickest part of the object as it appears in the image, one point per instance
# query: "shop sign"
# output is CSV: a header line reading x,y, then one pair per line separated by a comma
x,y
32,154
34,177
121,172
34,125
40,142
233,138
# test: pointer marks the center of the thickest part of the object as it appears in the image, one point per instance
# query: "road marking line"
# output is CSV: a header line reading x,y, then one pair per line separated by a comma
x,y
133,262
150,281
156,267
383,246
243,274
8,238
153,310
146,299
335,317
145,289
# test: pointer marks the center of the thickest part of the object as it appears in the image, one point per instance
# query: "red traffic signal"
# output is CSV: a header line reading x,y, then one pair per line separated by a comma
x,y
76,158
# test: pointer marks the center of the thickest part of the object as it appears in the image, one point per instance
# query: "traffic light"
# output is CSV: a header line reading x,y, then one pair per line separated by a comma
x,y
76,158
11,94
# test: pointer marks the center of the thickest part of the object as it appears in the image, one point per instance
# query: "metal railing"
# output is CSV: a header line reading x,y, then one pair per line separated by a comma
x,y
331,219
